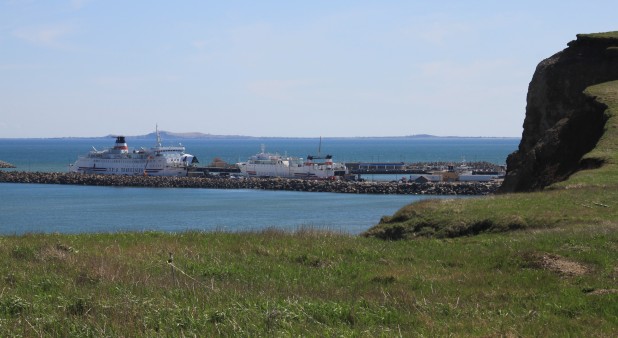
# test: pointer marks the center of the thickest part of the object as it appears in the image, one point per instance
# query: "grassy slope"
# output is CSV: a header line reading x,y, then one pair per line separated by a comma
x,y
604,35
308,284
606,149
588,197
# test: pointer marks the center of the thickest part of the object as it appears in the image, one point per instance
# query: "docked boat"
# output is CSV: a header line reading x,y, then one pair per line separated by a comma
x,y
119,160
266,164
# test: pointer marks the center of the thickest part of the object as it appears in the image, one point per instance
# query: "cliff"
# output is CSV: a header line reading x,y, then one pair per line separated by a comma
x,y
562,123
571,124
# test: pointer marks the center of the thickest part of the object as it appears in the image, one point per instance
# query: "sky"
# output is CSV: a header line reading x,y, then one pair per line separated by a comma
x,y
279,68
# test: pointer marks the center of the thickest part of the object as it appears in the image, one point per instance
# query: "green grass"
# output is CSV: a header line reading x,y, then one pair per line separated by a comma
x,y
607,147
587,197
307,284
463,217
604,35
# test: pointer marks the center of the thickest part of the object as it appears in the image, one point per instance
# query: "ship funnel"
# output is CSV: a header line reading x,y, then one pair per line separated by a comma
x,y
329,160
121,145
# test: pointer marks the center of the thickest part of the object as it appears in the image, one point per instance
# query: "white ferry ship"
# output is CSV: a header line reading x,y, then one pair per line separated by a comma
x,y
156,161
274,165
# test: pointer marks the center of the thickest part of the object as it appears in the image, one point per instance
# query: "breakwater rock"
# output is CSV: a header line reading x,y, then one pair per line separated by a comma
x,y
456,188
6,165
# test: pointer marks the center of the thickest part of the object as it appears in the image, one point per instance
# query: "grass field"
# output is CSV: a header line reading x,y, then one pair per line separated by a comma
x,y
547,283
555,275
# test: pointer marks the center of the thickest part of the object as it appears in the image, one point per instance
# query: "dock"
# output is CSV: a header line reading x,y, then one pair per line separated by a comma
x,y
382,168
218,171
374,168
355,168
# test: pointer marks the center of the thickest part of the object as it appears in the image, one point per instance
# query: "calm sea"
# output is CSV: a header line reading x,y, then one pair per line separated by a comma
x,y
30,208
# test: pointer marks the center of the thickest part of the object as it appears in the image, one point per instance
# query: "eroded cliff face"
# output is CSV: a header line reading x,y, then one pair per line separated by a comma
x,y
562,124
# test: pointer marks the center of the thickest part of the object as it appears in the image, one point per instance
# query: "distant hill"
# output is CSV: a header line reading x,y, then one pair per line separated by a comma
x,y
424,136
190,135
167,135
198,135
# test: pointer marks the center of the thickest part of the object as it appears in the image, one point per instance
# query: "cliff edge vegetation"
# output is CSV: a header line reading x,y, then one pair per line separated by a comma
x,y
584,192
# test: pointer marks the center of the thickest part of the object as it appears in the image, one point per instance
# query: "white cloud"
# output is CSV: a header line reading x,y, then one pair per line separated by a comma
x,y
47,36
200,44
18,66
440,32
276,89
136,83
449,71
120,82
463,92
78,4
437,30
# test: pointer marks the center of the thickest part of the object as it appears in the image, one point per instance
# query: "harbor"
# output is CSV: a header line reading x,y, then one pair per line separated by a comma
x,y
170,166
389,171
162,160
282,184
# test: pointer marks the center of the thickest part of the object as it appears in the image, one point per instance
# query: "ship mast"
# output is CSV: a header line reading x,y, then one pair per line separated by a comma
x,y
158,136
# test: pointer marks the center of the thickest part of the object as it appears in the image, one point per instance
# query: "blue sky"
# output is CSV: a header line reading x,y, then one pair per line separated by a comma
x,y
279,68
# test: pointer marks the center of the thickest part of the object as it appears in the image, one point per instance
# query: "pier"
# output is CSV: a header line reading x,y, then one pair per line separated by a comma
x,y
214,182
382,168
372,168
221,171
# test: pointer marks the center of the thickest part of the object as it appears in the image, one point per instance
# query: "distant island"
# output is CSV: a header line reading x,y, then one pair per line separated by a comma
x,y
198,135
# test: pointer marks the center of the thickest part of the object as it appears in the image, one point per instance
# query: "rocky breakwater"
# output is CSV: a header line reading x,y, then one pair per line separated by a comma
x,y
6,165
456,188
562,124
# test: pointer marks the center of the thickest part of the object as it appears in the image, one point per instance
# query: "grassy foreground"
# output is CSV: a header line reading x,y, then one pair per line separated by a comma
x,y
549,283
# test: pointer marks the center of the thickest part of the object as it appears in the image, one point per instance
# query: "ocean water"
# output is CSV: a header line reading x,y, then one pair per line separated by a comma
x,y
43,208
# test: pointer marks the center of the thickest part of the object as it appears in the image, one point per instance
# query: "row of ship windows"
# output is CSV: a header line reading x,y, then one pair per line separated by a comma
x,y
131,161
119,161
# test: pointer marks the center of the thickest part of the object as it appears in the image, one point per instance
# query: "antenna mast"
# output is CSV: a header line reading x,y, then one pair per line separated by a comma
x,y
158,136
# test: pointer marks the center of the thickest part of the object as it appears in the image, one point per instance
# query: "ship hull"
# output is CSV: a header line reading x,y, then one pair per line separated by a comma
x,y
286,170
155,161
127,167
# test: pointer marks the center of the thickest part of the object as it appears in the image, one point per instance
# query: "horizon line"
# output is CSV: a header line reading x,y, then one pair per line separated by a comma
x,y
199,135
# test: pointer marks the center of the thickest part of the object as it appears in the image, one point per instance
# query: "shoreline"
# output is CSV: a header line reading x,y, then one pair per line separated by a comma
x,y
349,187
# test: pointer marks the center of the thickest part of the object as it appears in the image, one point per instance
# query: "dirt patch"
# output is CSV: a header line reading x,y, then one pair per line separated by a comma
x,y
56,252
601,292
558,264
